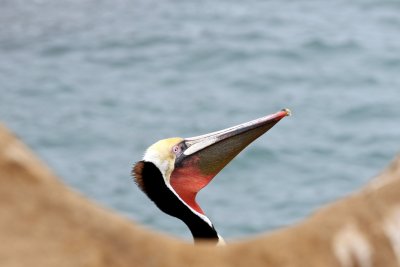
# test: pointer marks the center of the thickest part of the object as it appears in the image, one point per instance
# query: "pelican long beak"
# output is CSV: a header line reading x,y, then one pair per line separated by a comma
x,y
206,155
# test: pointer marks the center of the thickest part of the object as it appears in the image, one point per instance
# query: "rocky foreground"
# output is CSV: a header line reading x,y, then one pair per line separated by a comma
x,y
44,223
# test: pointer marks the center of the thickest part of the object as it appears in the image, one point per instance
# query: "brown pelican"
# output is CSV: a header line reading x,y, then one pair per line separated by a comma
x,y
174,170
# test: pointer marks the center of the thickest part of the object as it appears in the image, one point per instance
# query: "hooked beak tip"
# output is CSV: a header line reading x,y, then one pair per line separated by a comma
x,y
287,112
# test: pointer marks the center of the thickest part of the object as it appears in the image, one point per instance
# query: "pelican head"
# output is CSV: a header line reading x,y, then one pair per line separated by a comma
x,y
174,170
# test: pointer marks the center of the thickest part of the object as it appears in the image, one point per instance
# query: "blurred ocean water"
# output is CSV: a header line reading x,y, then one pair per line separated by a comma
x,y
89,85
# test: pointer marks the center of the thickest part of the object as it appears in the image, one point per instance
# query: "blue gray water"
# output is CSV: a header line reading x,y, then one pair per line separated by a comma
x,y
89,84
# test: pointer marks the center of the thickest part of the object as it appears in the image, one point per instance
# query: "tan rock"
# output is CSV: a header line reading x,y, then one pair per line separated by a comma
x,y
43,223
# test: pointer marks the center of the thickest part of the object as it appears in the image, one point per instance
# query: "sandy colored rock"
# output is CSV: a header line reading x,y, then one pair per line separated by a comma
x,y
43,223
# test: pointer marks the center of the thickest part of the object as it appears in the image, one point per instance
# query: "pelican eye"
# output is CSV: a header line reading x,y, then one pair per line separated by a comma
x,y
177,149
